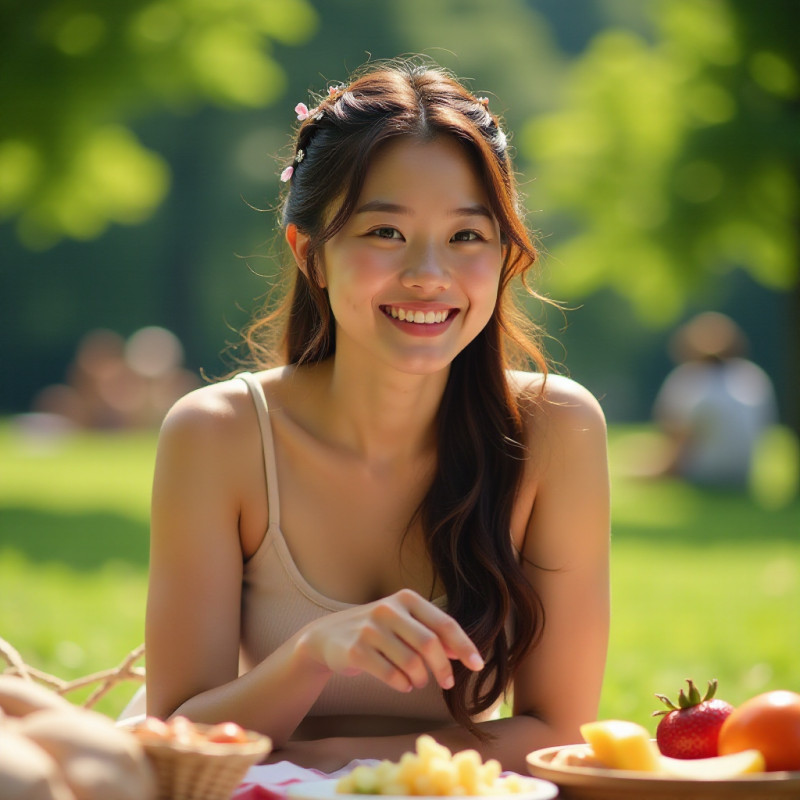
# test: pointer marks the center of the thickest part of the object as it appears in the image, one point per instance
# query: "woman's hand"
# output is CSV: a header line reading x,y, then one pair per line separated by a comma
x,y
398,640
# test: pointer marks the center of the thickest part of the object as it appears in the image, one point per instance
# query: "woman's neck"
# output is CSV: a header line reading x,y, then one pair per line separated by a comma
x,y
379,415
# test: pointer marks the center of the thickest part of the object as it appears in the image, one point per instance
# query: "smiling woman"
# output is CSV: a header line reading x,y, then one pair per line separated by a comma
x,y
391,531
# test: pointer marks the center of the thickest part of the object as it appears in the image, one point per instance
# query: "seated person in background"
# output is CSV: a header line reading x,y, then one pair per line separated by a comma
x,y
715,405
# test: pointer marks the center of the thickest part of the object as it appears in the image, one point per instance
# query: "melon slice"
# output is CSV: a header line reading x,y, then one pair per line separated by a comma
x,y
718,768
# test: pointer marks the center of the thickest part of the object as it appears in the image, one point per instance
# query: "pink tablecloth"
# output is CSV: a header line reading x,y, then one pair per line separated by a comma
x,y
271,781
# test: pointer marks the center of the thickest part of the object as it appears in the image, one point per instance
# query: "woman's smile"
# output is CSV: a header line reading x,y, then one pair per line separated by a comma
x,y
418,316
415,319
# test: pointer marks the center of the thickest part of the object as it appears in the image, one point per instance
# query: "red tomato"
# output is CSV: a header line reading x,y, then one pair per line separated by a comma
x,y
227,732
770,723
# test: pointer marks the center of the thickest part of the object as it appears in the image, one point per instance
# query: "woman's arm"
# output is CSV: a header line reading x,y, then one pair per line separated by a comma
x,y
207,478
558,684
567,540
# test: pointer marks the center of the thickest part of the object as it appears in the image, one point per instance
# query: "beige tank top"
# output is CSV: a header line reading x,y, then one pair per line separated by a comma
x,y
277,601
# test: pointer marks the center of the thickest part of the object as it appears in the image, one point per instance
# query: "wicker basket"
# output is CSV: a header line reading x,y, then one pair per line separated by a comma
x,y
203,770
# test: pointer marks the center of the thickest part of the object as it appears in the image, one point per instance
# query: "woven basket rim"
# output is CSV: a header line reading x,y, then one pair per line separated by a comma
x,y
257,743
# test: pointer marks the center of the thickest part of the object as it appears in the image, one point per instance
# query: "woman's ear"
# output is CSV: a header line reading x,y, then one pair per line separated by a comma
x,y
299,244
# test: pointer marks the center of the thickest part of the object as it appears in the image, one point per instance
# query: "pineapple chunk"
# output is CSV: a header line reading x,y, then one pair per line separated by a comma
x,y
620,744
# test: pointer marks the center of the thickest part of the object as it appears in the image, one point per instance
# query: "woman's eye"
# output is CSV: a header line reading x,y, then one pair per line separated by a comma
x,y
386,233
467,236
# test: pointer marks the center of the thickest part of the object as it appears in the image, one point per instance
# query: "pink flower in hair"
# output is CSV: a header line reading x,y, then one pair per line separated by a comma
x,y
301,109
287,174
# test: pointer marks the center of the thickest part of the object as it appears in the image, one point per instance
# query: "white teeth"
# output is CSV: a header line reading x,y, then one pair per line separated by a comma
x,y
418,317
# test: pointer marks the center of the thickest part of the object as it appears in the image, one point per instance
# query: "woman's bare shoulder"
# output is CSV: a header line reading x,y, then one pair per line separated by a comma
x,y
555,401
214,407
217,408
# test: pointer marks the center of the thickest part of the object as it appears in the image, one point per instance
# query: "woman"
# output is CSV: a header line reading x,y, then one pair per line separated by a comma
x,y
393,531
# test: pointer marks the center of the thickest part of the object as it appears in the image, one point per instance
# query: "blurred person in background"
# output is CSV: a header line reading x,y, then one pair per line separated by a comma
x,y
113,383
715,406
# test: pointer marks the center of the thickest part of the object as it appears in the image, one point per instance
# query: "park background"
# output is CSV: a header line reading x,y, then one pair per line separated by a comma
x,y
658,147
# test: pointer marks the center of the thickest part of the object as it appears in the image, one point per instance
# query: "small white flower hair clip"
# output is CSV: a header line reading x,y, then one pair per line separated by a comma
x,y
286,175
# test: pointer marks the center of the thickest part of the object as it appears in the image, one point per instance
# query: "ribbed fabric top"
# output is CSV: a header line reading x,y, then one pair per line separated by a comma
x,y
277,602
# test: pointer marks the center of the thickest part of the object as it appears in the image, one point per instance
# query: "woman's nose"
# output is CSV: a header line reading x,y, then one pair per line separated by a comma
x,y
426,270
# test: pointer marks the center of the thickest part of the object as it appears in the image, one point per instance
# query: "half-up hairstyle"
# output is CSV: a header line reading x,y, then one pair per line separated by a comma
x,y
466,513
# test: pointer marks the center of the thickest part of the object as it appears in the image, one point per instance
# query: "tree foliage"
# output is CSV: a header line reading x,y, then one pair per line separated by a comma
x,y
677,157
74,73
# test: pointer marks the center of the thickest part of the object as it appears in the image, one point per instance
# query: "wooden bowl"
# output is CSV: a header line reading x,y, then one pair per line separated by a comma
x,y
590,783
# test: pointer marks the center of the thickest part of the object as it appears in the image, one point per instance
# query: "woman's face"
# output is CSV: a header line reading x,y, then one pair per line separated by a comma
x,y
413,275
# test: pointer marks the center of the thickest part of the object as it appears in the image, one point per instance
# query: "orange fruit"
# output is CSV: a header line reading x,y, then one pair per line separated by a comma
x,y
153,729
227,733
769,723
183,731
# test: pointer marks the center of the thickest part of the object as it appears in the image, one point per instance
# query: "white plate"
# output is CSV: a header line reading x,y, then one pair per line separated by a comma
x,y
326,790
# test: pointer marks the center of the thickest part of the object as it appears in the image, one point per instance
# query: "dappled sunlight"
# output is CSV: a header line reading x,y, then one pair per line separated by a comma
x,y
780,577
640,496
77,473
775,477
79,80
665,505
690,136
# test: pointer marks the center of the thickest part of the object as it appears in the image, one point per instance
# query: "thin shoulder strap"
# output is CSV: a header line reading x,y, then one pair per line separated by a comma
x,y
267,444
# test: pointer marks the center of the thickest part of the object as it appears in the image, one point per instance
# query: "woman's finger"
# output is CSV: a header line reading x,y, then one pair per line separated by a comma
x,y
405,659
455,641
430,634
373,662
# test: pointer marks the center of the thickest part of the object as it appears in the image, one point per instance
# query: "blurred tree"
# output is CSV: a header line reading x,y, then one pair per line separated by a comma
x,y
676,160
503,49
74,72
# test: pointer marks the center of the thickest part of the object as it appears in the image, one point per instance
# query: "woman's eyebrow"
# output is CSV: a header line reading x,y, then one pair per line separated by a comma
x,y
476,210
383,206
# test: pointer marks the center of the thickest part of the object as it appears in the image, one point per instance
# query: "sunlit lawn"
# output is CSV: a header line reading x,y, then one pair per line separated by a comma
x,y
73,551
704,585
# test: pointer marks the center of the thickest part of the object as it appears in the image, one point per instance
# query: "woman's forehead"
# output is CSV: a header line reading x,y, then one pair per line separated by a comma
x,y
410,170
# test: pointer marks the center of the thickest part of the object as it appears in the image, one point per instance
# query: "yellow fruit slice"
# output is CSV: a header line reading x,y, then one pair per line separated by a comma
x,y
714,769
620,744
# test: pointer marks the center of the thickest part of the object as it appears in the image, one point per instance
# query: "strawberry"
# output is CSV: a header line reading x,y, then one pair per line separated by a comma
x,y
691,729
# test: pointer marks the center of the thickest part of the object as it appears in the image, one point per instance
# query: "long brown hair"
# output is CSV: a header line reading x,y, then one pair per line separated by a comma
x,y
466,513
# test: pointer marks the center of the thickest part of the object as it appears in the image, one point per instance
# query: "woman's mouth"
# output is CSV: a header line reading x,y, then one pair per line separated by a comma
x,y
416,316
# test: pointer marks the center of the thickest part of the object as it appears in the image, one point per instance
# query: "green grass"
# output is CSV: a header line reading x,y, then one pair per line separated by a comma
x,y
74,550
704,585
